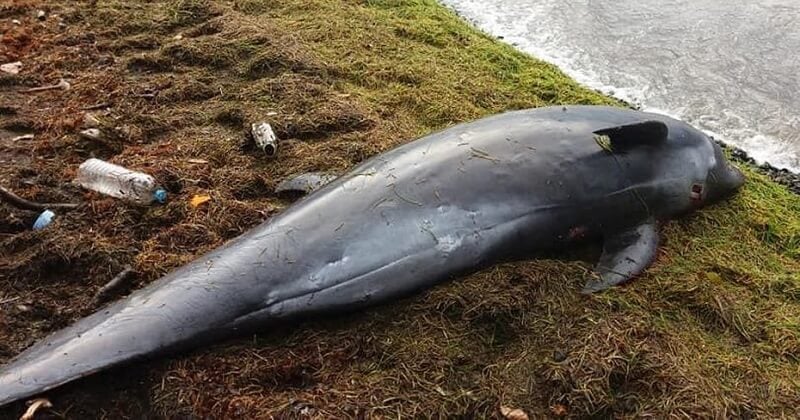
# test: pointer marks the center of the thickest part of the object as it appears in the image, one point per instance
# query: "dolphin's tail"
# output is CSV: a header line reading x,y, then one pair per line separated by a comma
x,y
189,306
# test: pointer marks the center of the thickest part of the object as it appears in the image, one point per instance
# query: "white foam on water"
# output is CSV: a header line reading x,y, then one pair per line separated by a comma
x,y
512,21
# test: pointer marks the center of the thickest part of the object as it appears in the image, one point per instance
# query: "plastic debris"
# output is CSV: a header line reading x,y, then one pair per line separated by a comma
x,y
34,406
117,181
41,15
11,68
199,199
265,138
44,219
306,183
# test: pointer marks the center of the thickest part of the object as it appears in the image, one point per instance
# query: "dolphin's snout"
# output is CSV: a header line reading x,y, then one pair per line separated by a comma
x,y
737,176
725,180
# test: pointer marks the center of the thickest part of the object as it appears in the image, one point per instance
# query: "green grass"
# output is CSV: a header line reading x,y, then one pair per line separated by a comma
x,y
711,330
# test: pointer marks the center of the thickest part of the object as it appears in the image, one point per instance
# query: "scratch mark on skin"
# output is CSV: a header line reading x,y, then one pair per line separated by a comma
x,y
368,173
394,189
340,226
435,239
483,155
386,219
266,235
521,144
289,234
379,202
634,189
466,143
436,193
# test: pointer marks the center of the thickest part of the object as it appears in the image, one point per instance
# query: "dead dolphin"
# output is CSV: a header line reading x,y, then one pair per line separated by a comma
x,y
496,189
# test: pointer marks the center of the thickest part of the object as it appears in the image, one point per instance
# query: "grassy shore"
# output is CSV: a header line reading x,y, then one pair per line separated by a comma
x,y
713,329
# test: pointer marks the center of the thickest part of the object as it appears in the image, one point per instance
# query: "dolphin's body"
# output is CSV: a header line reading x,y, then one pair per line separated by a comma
x,y
496,189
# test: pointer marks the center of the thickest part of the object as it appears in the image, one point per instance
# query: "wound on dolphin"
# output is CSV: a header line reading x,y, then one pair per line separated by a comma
x,y
501,188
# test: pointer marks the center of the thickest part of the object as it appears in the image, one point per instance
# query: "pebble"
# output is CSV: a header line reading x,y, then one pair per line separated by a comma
x,y
92,134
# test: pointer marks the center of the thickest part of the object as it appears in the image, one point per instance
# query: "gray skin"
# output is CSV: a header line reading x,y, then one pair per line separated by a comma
x,y
497,189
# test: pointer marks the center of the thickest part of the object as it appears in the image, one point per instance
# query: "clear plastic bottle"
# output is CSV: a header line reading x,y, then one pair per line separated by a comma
x,y
119,182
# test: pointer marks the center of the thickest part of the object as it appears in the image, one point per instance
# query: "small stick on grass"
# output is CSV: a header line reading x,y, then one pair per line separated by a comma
x,y
22,203
62,84
34,406
114,285
96,106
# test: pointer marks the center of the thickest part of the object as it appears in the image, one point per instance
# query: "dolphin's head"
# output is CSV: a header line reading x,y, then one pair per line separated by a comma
x,y
708,175
686,168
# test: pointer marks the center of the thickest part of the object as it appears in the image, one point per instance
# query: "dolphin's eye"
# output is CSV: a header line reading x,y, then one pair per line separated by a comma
x,y
697,192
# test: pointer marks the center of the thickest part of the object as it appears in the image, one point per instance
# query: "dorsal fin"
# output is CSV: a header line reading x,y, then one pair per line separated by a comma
x,y
626,137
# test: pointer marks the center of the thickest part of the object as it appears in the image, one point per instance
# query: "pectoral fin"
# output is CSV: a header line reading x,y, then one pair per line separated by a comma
x,y
626,254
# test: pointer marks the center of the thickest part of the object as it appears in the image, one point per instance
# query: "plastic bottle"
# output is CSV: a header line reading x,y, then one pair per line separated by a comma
x,y
119,182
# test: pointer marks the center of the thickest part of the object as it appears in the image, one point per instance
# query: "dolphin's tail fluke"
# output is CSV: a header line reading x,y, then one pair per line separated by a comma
x,y
197,303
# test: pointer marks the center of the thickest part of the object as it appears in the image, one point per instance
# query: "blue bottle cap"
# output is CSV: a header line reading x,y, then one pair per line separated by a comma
x,y
43,220
160,195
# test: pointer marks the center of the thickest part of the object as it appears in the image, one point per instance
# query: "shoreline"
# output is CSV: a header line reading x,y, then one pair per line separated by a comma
x,y
784,176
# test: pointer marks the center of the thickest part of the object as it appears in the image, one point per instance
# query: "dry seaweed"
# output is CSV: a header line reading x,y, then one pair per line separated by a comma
x,y
712,330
